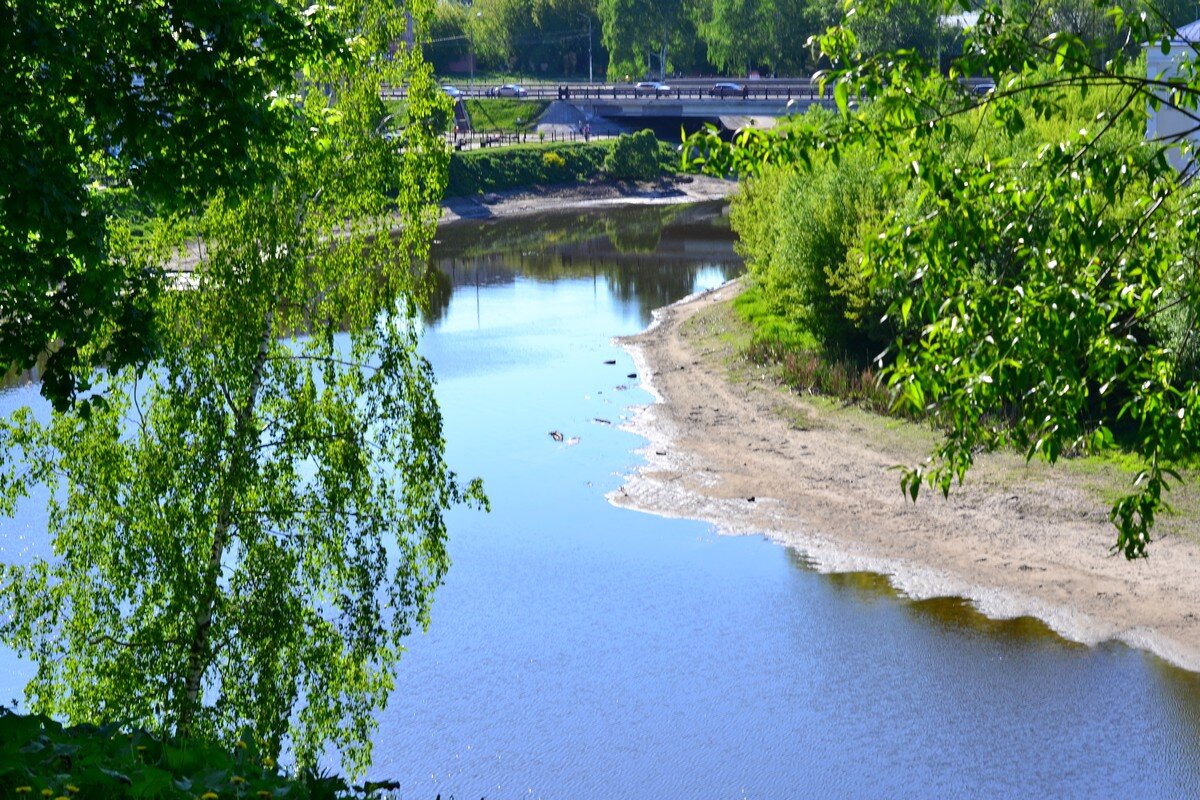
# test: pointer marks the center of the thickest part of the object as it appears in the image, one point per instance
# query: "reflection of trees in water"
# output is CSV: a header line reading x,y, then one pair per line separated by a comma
x,y
649,255
633,236
435,290
632,226
947,613
1183,688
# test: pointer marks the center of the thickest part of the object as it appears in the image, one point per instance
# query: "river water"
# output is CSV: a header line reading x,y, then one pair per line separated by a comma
x,y
579,650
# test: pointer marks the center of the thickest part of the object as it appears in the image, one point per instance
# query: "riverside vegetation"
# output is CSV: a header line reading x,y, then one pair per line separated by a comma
x,y
1020,267
638,156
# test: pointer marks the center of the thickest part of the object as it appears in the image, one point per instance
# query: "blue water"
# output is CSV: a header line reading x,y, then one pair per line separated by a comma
x,y
579,650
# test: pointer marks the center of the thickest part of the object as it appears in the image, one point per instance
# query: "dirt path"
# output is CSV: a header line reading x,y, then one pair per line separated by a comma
x,y
750,457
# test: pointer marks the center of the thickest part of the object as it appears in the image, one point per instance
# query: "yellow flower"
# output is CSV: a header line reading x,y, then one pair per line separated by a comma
x,y
47,793
209,796
268,762
237,779
241,745
72,788
24,789
263,793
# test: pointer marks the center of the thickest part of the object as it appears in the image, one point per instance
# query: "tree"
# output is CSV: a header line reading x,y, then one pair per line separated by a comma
x,y
900,25
244,533
171,98
1044,276
635,29
739,34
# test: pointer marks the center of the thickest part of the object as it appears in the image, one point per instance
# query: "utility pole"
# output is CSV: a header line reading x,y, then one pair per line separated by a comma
x,y
588,17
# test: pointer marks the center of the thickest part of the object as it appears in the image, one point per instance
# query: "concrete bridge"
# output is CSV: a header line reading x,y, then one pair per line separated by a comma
x,y
634,109
685,100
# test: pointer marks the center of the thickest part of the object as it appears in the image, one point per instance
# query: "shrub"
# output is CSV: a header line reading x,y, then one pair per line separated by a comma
x,y
801,233
494,169
809,372
41,758
635,157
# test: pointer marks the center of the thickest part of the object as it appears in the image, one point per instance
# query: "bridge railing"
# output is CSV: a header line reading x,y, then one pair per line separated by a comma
x,y
569,92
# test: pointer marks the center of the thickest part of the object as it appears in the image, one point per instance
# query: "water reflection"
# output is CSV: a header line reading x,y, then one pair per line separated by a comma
x,y
946,613
587,651
648,255
582,650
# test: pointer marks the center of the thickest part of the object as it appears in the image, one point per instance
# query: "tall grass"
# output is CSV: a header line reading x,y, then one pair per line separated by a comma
x,y
808,372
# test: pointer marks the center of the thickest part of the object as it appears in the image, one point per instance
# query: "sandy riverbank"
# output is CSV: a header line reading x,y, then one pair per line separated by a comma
x,y
753,458
595,194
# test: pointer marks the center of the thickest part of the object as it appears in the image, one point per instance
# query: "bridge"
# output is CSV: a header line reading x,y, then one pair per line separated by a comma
x,y
682,100
689,98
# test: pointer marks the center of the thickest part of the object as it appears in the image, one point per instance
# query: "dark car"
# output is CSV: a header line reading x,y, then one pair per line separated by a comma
x,y
726,90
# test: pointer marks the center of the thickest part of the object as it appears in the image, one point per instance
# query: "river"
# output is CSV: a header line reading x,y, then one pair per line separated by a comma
x,y
579,650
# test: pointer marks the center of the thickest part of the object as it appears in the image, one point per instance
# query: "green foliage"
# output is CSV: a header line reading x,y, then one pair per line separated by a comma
x,y
41,758
740,34
495,169
810,372
176,101
1042,275
900,25
632,29
244,533
768,325
800,231
635,157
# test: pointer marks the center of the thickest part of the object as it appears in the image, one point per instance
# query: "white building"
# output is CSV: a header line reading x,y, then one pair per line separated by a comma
x,y
1171,123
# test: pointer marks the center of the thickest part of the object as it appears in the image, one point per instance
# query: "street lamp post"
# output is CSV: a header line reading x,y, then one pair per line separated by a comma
x,y
471,41
588,17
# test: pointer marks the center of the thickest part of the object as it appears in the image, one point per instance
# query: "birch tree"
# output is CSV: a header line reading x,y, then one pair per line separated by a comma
x,y
244,533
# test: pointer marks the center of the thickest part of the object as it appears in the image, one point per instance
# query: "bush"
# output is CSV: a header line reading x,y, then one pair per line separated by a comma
x,y
635,157
495,169
801,233
41,758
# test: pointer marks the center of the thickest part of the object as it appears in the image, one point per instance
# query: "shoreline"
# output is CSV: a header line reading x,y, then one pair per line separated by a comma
x,y
531,200
753,458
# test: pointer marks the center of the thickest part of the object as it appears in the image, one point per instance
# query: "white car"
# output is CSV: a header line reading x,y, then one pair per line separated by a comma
x,y
508,90
650,87
453,91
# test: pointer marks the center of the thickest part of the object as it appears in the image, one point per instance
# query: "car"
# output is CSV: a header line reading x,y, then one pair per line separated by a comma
x,y
984,88
454,92
726,90
650,87
508,90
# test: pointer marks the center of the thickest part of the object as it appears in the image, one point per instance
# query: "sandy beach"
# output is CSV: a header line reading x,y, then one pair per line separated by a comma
x,y
728,445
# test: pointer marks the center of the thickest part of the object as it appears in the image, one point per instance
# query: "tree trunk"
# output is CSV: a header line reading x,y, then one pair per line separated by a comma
x,y
199,650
